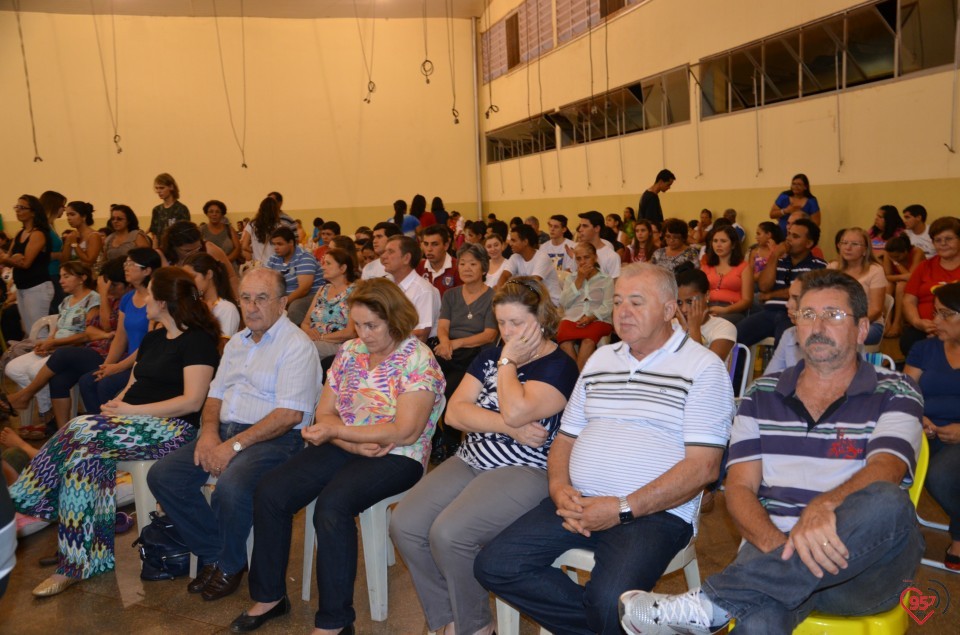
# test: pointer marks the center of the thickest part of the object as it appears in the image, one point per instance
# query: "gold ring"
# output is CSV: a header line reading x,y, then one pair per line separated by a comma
x,y
826,543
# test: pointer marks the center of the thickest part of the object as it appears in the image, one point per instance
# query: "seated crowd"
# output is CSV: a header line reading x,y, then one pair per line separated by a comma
x,y
532,368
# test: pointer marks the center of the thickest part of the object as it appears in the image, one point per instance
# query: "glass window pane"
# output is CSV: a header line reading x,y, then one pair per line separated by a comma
x,y
927,32
714,87
678,96
745,78
870,44
781,68
652,104
822,47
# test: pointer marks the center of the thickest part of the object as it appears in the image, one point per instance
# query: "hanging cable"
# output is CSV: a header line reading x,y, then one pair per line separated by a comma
x,y
114,117
543,179
426,67
492,108
241,140
452,55
371,86
593,107
606,100
26,75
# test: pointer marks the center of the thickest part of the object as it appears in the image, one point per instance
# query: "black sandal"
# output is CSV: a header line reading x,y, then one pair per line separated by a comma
x,y
6,407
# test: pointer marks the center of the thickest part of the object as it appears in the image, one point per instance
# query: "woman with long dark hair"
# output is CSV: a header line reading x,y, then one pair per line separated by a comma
x,y
886,225
255,240
84,243
29,257
797,199
730,276
644,242
213,282
72,478
126,233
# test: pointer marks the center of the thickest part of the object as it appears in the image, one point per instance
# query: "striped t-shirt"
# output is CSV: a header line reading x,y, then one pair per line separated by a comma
x,y
490,450
802,458
632,419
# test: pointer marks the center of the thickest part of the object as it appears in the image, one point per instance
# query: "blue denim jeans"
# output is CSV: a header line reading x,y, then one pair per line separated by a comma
x,y
96,393
217,533
766,594
770,322
344,485
943,482
517,566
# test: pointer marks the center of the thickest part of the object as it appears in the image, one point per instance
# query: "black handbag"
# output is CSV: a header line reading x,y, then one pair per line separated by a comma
x,y
164,554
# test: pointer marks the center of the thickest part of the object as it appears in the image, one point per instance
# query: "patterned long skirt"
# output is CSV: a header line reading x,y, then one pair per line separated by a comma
x,y
72,479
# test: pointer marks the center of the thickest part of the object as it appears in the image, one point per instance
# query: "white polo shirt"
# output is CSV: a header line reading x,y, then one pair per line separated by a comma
x,y
425,298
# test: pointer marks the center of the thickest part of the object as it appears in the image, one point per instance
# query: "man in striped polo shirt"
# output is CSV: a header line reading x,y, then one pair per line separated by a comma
x,y
819,457
642,434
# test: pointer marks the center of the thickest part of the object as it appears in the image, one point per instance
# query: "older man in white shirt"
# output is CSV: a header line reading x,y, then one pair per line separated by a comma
x,y
265,390
399,258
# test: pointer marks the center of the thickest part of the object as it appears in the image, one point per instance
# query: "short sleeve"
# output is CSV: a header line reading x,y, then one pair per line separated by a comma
x,y
125,302
446,305
898,430
812,206
919,357
421,372
745,432
481,360
199,349
915,283
782,201
574,419
709,407
558,370
489,319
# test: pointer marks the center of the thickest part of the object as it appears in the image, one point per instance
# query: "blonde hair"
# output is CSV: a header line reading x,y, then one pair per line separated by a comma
x,y
868,257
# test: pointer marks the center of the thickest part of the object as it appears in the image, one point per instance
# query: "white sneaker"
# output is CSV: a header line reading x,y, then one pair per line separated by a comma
x,y
644,613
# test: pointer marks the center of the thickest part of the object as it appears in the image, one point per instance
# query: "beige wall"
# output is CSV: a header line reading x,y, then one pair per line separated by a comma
x,y
892,134
309,135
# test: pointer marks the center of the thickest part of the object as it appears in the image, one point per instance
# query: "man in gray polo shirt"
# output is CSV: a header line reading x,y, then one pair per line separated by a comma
x,y
642,434
819,456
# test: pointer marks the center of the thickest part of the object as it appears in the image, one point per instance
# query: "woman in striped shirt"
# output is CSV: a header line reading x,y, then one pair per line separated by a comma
x,y
510,403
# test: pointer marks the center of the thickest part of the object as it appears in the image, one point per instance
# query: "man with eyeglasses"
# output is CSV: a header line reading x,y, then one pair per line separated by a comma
x,y
789,260
820,455
264,392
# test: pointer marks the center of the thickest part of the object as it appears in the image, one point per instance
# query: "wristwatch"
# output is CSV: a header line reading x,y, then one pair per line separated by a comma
x,y
626,514
237,447
506,360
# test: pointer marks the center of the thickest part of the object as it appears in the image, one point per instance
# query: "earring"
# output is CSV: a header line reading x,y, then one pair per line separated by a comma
x,y
542,332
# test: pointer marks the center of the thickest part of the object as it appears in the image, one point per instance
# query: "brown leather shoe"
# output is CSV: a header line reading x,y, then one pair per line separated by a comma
x,y
203,576
221,584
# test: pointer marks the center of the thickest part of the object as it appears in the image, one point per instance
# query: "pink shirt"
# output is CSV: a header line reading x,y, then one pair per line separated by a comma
x,y
727,287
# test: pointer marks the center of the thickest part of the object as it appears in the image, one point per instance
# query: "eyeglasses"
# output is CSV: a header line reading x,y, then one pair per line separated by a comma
x,y
130,263
945,314
827,316
18,208
939,240
260,301
850,243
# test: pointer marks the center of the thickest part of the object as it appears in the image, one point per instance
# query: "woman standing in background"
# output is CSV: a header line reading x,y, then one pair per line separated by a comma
x,y
170,210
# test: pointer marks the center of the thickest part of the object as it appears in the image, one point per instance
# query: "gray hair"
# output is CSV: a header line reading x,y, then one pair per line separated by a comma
x,y
477,252
275,277
665,282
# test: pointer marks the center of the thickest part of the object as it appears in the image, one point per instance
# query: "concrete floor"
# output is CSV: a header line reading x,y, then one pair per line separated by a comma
x,y
119,602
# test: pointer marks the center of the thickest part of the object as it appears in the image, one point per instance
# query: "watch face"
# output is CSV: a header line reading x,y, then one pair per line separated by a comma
x,y
236,446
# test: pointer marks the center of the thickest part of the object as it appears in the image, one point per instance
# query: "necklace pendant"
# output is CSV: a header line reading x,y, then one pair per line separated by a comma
x,y
470,315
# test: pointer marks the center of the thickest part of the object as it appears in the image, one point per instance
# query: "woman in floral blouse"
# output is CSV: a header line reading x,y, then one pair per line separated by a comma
x,y
328,322
370,440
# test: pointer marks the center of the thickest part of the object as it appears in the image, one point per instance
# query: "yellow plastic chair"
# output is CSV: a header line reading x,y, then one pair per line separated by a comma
x,y
892,622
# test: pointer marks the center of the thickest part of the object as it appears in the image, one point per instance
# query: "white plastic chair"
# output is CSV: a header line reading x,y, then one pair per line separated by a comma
x,y
737,352
378,552
40,330
508,618
887,316
143,498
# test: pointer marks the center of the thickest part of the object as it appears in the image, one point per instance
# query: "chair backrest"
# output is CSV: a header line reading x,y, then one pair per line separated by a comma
x,y
42,327
740,359
880,359
920,472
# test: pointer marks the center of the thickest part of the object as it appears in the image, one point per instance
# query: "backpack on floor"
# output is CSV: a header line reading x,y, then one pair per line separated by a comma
x,y
164,554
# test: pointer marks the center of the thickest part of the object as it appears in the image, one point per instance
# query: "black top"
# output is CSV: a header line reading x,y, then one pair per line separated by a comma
x,y
37,273
650,207
160,364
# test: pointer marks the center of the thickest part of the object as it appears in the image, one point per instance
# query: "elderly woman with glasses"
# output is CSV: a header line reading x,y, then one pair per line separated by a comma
x,y
101,385
675,250
930,274
510,403
934,363
370,440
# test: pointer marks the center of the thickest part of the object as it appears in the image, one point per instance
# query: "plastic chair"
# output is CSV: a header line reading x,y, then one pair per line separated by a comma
x,y
880,359
738,352
887,315
892,622
378,552
767,342
143,498
508,618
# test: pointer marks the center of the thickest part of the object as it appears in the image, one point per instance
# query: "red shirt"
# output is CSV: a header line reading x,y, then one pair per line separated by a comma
x,y
443,281
925,278
427,219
